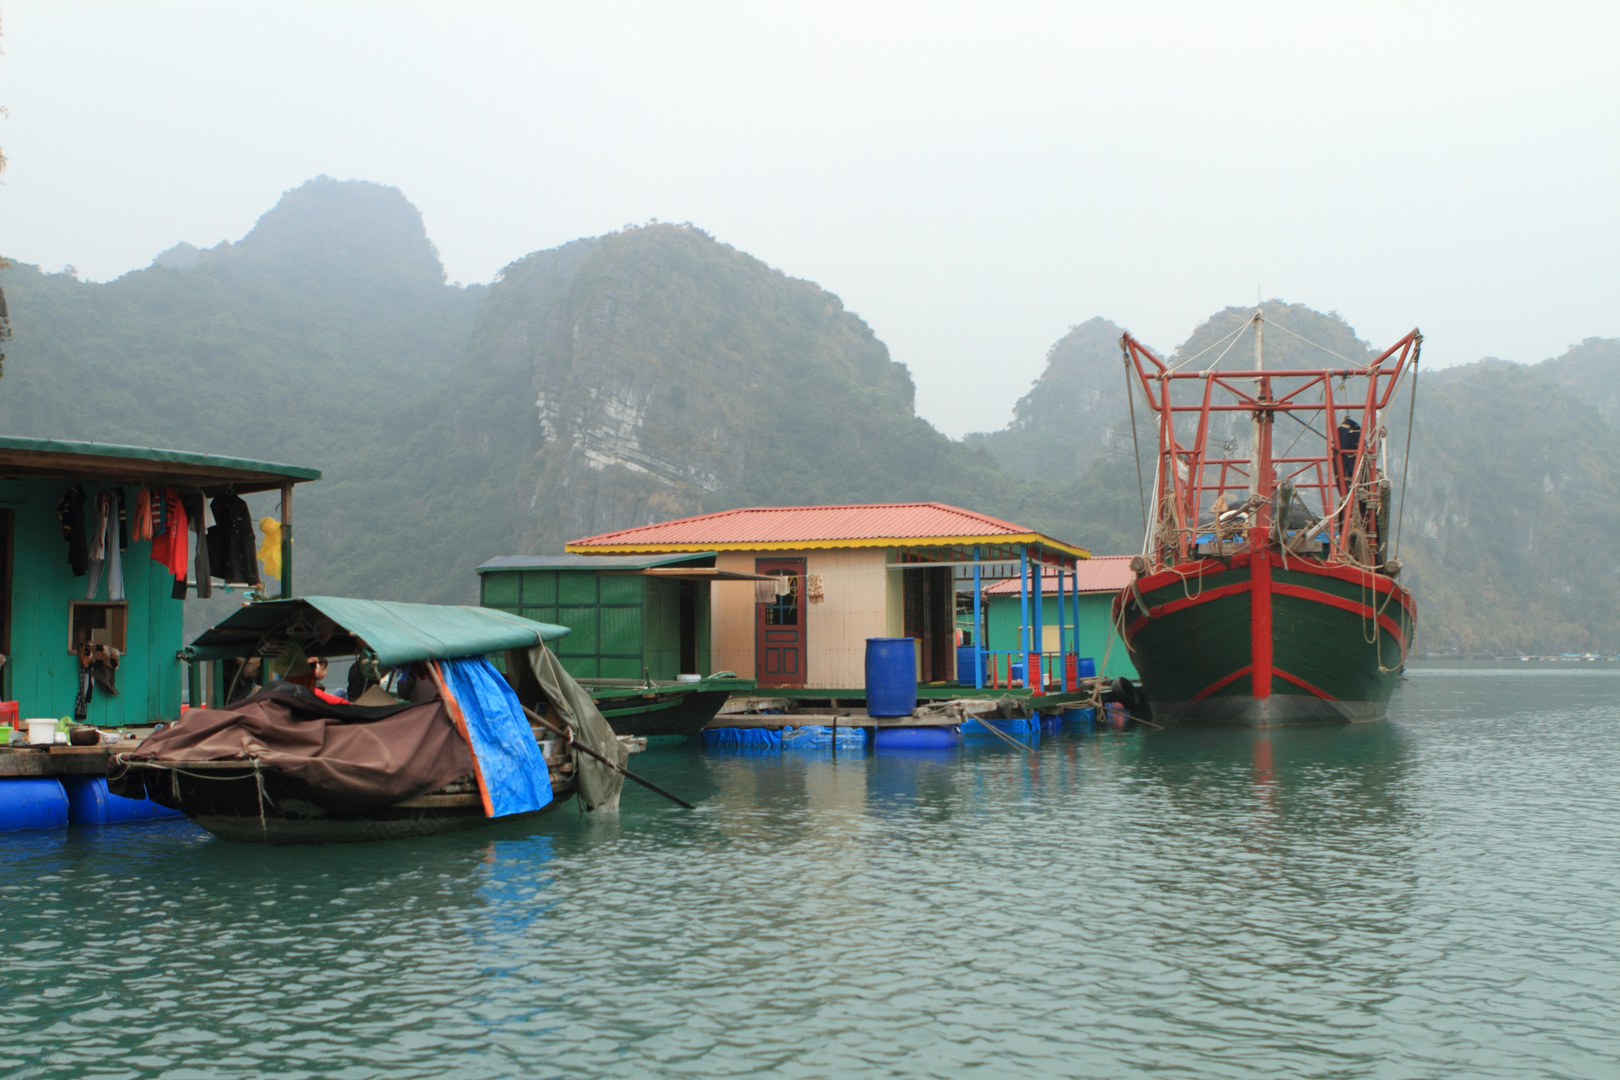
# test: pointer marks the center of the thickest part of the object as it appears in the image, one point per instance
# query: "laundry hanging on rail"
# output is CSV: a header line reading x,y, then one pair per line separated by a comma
x,y
140,528
195,513
104,550
230,541
169,547
70,511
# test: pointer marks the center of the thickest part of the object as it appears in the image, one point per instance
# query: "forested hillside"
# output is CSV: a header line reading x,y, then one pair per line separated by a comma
x,y
656,372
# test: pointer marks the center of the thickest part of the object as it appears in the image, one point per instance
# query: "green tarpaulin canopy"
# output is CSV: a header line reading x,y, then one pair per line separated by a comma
x,y
396,633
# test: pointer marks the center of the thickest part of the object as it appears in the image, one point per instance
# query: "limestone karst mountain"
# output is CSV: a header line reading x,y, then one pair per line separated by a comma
x,y
655,372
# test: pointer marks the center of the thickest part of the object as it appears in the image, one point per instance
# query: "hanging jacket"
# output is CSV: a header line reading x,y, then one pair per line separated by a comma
x,y
231,542
169,548
70,509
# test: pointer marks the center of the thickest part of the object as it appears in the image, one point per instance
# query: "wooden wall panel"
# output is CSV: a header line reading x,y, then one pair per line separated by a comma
x,y
855,585
731,616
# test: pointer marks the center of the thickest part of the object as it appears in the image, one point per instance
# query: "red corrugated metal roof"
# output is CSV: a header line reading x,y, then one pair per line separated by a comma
x,y
1100,573
828,525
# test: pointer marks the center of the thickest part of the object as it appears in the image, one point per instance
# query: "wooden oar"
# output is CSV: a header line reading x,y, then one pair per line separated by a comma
x,y
615,766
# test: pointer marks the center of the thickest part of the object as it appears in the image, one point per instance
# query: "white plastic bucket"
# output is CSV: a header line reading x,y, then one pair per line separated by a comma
x,y
41,732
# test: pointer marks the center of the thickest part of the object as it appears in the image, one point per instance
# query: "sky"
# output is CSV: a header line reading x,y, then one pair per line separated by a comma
x,y
971,179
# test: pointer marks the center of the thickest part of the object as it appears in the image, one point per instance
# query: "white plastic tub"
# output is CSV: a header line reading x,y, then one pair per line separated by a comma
x,y
41,732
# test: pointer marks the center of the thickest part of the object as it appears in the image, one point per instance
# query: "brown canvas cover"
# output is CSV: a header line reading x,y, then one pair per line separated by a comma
x,y
348,755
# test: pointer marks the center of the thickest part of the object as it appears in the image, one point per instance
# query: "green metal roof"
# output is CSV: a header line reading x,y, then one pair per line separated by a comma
x,y
591,562
397,633
65,459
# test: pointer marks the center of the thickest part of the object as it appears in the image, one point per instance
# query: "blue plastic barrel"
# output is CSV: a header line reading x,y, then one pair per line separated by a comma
x,y
32,803
968,659
916,738
1088,668
1015,671
90,803
891,676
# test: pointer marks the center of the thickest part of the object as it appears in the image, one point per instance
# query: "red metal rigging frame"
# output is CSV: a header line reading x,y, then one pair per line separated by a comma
x,y
1180,480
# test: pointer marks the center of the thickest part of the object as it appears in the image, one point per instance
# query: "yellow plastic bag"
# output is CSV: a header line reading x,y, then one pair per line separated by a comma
x,y
270,550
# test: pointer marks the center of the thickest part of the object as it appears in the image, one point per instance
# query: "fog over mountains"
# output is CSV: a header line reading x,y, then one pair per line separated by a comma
x,y
655,372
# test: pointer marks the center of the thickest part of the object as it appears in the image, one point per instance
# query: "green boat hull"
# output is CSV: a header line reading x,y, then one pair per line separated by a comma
x,y
1329,649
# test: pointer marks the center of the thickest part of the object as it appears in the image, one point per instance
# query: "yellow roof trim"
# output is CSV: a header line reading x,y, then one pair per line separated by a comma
x,y
819,545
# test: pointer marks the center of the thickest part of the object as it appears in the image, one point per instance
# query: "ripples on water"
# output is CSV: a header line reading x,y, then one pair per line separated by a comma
x,y
1431,896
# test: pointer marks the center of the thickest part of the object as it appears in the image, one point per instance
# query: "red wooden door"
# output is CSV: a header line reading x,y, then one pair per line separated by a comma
x,y
779,627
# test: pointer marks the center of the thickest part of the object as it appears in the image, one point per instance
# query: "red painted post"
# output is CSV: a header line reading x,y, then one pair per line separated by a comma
x,y
1032,670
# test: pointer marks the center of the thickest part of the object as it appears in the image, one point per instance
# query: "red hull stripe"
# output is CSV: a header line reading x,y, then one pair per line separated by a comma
x,y
1184,602
1302,684
1218,683
1378,583
1366,611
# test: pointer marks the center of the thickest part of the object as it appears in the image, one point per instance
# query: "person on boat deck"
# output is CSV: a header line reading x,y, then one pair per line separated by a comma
x,y
1349,444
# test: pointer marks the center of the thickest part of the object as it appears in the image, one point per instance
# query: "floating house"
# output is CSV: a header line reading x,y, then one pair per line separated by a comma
x,y
843,574
49,614
629,616
1083,600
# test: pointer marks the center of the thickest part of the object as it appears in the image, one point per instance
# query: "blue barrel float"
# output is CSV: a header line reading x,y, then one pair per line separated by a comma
x,y
891,676
32,803
916,738
90,803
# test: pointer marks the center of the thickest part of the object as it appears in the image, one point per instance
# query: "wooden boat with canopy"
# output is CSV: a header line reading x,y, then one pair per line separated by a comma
x,y
1266,592
443,743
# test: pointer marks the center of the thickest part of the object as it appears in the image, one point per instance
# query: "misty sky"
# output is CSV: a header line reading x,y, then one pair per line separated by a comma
x,y
970,179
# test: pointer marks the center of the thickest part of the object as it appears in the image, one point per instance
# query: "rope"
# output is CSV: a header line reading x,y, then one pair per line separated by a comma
x,y
1406,457
1314,345
1201,352
1213,364
1136,447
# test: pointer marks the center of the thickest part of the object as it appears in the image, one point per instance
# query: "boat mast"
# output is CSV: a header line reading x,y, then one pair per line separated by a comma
x,y
1260,478
1254,434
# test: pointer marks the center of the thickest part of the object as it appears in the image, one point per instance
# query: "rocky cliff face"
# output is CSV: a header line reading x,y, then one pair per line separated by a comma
x,y
670,374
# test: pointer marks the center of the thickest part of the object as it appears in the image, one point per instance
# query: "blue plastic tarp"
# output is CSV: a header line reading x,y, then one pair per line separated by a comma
x,y
511,768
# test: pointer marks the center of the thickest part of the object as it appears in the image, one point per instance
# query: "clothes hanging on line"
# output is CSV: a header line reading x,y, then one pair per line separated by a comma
x,y
230,541
194,513
70,511
104,550
141,527
169,548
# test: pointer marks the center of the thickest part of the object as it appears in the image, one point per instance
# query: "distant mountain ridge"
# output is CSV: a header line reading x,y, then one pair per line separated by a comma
x,y
655,372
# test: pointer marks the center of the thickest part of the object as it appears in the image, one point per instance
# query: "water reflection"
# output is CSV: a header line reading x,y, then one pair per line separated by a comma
x,y
1426,897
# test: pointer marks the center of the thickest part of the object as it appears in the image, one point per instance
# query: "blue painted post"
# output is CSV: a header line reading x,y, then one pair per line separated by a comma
x,y
1038,631
1077,620
1063,652
1023,606
978,624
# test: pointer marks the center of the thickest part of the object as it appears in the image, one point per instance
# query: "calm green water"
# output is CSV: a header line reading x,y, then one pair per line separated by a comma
x,y
1434,896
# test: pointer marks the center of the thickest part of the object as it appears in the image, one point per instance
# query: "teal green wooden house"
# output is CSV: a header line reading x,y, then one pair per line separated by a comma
x,y
629,616
47,612
1092,588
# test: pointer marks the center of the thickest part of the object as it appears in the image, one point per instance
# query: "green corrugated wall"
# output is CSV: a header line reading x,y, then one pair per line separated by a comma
x,y
620,623
43,676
